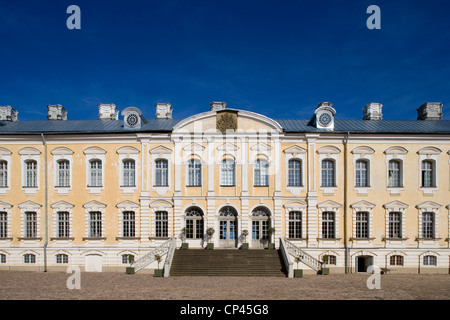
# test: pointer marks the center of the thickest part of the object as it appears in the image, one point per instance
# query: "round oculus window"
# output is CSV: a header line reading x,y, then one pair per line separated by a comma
x,y
132,120
325,119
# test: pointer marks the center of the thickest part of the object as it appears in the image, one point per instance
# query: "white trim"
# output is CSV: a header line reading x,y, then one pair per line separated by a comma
x,y
295,153
332,153
429,153
363,153
29,153
128,152
396,153
5,155
91,154
62,153
162,153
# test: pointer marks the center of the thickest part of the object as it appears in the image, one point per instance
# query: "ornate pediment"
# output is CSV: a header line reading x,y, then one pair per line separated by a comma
x,y
226,120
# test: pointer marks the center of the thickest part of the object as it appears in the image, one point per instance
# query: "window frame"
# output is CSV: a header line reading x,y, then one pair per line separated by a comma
x,y
261,170
194,172
5,155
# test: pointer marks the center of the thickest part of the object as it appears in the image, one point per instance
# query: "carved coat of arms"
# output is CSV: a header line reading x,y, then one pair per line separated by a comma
x,y
226,121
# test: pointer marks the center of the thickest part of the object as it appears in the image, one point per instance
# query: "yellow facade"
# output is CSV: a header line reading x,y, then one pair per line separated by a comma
x,y
255,138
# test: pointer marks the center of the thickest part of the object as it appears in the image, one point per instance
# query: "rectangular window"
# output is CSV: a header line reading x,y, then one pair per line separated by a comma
x,y
396,260
95,224
261,173
31,174
3,225
3,174
395,225
129,173
96,173
428,225
362,225
190,229
228,172
328,225
62,258
30,225
328,173
294,173
63,173
162,225
362,174
394,174
162,173
29,258
428,174
128,224
195,173
295,224
429,261
63,224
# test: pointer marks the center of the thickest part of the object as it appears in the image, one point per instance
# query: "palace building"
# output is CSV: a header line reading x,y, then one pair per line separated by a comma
x,y
92,193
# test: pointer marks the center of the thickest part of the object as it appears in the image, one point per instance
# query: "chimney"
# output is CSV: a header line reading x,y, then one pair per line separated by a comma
x,y
216,106
108,111
56,112
163,111
7,113
430,111
373,111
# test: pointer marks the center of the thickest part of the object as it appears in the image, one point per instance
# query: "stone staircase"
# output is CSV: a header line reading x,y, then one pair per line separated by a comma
x,y
232,262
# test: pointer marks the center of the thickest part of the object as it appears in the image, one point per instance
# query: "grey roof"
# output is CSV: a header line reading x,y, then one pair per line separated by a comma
x,y
166,125
371,126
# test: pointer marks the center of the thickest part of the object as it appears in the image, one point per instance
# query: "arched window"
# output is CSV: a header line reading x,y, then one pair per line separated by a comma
x,y
3,174
162,173
295,173
129,173
395,174
63,173
227,223
228,172
194,173
428,174
194,224
328,173
362,173
261,175
31,173
95,173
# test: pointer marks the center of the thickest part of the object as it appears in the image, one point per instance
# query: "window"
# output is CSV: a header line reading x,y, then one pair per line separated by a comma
x,y
194,224
395,174
328,173
3,225
396,260
295,224
429,261
328,225
63,225
295,173
2,258
161,224
362,173
129,173
428,174
3,174
162,173
428,225
228,173
95,224
362,225
194,173
330,259
62,258
95,173
126,258
29,258
31,173
63,173
261,173
30,225
128,224
395,225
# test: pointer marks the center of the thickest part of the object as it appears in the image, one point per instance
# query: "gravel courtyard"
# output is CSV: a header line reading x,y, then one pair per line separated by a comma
x,y
106,286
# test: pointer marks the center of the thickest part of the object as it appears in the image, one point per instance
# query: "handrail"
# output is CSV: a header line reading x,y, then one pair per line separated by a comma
x,y
287,258
306,258
169,258
150,257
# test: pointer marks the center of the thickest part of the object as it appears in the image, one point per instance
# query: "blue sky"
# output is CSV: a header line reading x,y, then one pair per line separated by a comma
x,y
278,58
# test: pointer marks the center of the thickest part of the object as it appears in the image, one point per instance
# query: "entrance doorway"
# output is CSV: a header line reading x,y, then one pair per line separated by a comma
x,y
363,262
260,224
227,227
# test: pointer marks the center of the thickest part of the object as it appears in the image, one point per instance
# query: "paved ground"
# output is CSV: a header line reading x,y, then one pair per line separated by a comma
x,y
105,286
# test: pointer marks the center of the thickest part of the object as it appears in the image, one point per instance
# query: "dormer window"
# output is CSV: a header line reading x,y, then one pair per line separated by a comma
x,y
324,116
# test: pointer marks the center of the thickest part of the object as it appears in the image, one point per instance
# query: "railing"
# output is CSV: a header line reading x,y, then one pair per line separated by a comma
x,y
169,258
306,258
286,258
150,257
